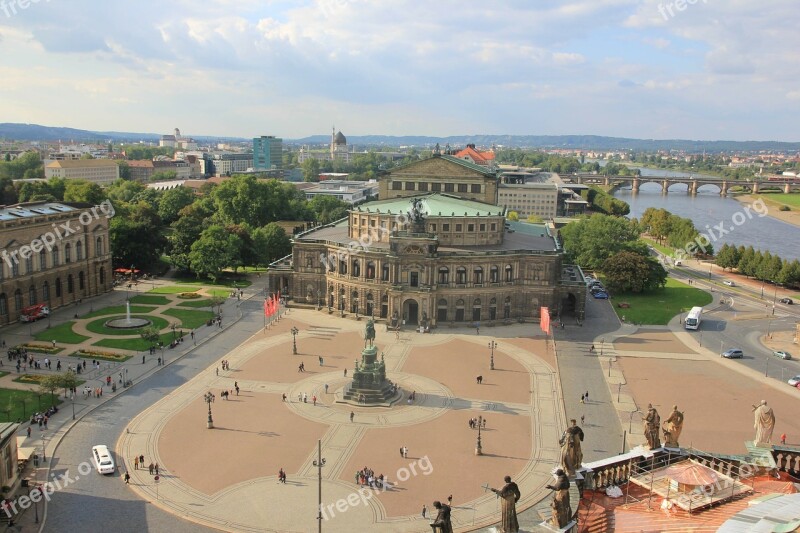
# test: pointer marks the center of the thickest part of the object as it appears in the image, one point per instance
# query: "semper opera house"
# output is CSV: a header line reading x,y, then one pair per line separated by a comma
x,y
435,250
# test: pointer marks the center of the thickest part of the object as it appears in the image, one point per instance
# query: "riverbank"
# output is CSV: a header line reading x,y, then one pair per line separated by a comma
x,y
790,217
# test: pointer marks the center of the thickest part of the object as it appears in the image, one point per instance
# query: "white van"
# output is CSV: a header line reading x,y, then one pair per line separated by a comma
x,y
678,263
103,460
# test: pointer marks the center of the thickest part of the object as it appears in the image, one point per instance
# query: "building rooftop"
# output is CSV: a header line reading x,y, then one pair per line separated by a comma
x,y
434,205
81,163
33,209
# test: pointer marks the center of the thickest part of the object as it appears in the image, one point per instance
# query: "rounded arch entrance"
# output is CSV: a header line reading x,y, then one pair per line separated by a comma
x,y
411,311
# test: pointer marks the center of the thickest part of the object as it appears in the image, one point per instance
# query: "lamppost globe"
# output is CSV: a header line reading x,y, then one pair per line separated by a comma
x,y
294,332
209,399
492,346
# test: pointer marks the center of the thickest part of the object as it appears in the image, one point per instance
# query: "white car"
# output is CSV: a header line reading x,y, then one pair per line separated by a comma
x,y
794,382
729,283
782,355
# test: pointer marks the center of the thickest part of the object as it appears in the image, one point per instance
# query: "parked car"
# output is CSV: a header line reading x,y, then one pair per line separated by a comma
x,y
794,382
597,288
733,353
787,301
783,355
601,295
729,283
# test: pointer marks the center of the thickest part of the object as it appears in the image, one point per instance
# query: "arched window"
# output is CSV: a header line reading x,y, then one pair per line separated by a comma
x,y
56,256
509,273
42,260
3,305
356,268
70,284
29,264
444,276
102,275
507,307
385,272
80,280
79,250
67,253
460,311
32,295
461,275
492,308
494,274
45,292
342,267
58,287
476,310
441,310
14,269
370,271
477,275
18,300
98,247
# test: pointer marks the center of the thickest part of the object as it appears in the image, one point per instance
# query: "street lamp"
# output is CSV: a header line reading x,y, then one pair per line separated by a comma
x,y
209,399
774,298
173,326
73,406
319,463
44,446
478,447
294,331
630,420
492,346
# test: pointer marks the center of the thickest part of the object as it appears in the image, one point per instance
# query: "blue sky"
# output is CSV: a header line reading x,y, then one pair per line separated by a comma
x,y
716,69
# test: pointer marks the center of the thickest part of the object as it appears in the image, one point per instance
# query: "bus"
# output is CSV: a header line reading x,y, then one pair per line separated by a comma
x,y
694,318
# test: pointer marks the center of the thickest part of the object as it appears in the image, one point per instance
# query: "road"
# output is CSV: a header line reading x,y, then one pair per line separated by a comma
x,y
98,503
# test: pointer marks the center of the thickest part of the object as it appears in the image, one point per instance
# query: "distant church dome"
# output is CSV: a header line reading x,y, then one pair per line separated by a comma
x,y
339,139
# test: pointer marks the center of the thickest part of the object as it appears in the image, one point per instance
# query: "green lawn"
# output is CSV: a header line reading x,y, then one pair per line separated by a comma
x,y
666,250
659,306
150,300
220,293
118,309
225,281
98,326
189,318
138,345
173,289
61,333
18,404
792,200
195,303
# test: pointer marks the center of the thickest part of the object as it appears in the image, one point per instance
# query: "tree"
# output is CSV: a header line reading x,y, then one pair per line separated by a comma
x,y
135,242
150,335
172,201
727,257
186,230
591,240
534,219
746,265
326,209
83,191
513,216
311,168
215,250
67,381
631,272
49,385
271,243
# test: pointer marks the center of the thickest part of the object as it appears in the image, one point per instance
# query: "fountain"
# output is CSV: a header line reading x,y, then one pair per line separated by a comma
x,y
369,378
127,322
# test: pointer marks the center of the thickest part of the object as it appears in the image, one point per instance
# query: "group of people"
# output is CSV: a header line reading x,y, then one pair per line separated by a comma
x,y
281,476
225,365
301,367
89,392
41,418
474,423
366,477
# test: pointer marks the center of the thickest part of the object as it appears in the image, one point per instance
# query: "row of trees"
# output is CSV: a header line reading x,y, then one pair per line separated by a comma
x,y
602,202
759,265
612,245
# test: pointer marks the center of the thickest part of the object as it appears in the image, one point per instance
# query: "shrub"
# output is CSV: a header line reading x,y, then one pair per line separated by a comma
x,y
189,295
784,208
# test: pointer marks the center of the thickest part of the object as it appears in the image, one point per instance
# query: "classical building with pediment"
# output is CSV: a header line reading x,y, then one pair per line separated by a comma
x,y
434,250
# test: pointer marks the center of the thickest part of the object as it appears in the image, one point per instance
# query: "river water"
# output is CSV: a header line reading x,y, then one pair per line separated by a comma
x,y
708,210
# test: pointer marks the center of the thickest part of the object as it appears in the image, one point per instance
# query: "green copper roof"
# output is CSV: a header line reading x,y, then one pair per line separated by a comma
x,y
433,205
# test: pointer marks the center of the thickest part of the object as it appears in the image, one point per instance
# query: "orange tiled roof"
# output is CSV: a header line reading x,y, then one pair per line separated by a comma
x,y
479,158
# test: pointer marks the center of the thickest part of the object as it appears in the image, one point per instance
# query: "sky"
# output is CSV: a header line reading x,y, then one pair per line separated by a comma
x,y
654,69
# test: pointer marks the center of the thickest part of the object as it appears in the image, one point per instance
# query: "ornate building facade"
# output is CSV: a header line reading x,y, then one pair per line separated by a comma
x,y
431,259
52,253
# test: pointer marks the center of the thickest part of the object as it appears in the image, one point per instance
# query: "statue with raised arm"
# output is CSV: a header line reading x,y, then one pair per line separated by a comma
x,y
571,451
509,495
764,423
652,423
441,524
369,332
562,510
673,428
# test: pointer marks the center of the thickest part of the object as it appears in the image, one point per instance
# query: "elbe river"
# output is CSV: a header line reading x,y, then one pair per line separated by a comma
x,y
723,219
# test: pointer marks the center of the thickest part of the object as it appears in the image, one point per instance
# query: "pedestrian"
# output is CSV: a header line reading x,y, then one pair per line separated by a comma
x,y
479,380
401,451
424,510
582,419
284,396
591,350
305,398
136,463
405,452
29,431
150,468
54,343
314,399
320,361
397,333
300,367
352,415
587,395
141,460
155,469
192,334
582,398
218,371
450,500
142,359
477,328
326,388
783,438
127,477
345,372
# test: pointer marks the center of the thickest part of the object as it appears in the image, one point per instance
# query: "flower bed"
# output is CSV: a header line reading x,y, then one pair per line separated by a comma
x,y
189,295
35,379
97,354
41,348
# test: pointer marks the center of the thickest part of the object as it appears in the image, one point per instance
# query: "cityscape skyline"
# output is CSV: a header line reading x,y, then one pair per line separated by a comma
x,y
626,68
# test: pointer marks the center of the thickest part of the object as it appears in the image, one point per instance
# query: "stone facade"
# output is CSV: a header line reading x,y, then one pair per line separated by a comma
x,y
52,253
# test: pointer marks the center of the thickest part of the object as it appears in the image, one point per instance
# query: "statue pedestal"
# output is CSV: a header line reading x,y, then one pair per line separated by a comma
x,y
369,387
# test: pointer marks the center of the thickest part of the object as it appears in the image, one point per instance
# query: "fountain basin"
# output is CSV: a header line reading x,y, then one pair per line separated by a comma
x,y
127,323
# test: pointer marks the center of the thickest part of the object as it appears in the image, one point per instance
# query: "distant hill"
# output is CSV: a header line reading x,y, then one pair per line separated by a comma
x,y
576,142
35,132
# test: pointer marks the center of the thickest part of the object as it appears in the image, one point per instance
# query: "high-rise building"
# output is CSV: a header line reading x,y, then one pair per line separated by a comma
x,y
267,152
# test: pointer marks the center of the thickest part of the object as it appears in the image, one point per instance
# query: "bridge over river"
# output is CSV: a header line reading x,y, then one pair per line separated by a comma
x,y
692,183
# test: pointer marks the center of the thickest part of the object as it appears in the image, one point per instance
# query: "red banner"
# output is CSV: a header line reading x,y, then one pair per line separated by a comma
x,y
544,322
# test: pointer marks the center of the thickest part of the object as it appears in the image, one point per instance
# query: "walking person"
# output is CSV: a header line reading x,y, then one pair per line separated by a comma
x,y
352,415
405,452
150,468
424,510
587,395
326,388
136,463
582,398
127,477
320,361
582,419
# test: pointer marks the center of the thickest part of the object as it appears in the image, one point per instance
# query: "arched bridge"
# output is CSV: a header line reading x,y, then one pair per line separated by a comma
x,y
692,183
